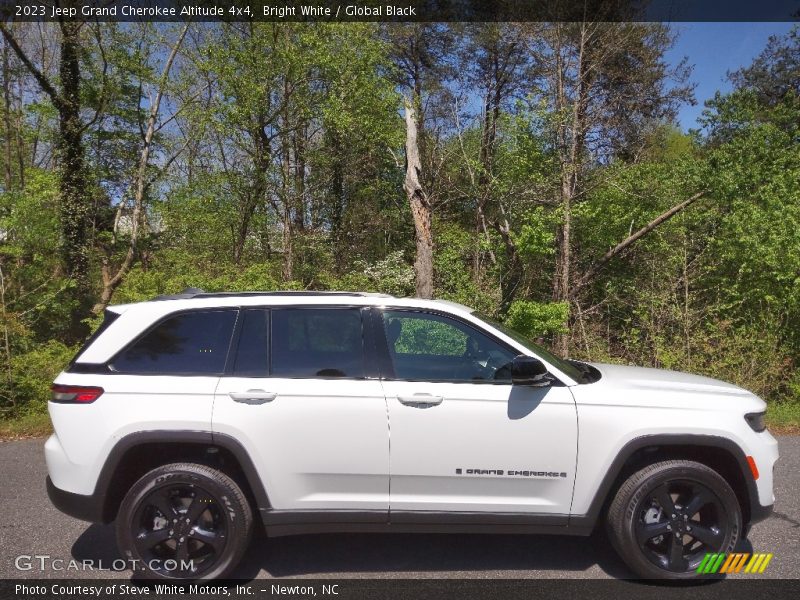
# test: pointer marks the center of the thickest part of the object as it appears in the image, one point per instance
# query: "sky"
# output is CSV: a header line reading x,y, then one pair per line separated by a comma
x,y
714,49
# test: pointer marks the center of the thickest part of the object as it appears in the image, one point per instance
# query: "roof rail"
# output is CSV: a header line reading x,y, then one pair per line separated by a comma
x,y
192,292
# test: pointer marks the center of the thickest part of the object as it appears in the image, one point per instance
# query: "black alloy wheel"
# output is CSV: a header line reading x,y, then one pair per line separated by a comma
x,y
180,529
667,516
184,521
679,523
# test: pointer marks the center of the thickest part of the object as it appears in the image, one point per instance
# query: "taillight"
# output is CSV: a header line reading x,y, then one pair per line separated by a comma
x,y
75,394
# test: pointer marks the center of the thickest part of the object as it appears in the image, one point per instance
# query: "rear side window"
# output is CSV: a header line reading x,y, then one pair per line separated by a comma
x,y
187,343
324,342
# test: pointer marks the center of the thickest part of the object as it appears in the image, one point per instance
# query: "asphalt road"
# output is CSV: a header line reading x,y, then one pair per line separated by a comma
x,y
29,525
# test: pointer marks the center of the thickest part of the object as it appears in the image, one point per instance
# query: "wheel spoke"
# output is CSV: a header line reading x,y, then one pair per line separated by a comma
x,y
199,505
212,538
163,503
151,539
710,537
675,559
701,497
664,499
645,533
182,551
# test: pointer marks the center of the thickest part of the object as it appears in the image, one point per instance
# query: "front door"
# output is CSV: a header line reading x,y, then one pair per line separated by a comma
x,y
297,396
463,439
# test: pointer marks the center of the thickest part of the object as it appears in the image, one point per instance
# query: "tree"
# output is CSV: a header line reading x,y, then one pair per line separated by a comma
x,y
422,54
75,206
604,83
497,57
420,208
142,181
775,72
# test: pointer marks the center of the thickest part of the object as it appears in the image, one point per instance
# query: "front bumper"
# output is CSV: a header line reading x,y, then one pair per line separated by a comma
x,y
86,508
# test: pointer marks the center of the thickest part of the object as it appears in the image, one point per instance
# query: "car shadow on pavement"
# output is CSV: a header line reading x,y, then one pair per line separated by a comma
x,y
98,544
397,554
451,555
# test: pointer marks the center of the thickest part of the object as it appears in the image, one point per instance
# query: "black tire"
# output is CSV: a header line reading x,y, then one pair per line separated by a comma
x,y
667,516
191,514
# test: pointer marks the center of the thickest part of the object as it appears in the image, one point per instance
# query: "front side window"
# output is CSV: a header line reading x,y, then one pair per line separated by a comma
x,y
429,347
187,343
317,342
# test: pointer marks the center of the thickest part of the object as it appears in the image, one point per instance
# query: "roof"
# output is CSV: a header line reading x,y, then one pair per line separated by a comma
x,y
193,292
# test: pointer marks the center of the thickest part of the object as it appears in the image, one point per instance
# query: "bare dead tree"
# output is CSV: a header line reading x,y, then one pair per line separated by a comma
x,y
598,265
420,207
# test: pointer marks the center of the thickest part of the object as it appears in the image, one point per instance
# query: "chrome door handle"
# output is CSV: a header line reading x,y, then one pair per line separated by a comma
x,y
420,400
253,396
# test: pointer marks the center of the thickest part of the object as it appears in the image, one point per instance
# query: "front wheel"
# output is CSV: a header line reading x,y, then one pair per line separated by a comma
x,y
184,521
666,517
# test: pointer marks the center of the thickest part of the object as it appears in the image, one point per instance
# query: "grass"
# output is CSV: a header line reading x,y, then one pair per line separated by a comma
x,y
31,425
782,418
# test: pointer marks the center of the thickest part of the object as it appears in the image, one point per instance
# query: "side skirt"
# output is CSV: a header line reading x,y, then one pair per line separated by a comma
x,y
282,523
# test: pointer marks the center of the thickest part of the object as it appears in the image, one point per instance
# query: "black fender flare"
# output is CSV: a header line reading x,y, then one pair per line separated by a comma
x,y
589,520
205,438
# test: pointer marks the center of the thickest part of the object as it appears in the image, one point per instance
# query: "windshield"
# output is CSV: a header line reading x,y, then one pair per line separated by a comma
x,y
565,367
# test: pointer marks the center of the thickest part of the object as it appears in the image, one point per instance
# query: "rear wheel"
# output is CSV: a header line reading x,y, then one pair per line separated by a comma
x,y
666,517
184,521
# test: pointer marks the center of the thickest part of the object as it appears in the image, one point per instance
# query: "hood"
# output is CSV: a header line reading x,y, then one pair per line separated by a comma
x,y
641,378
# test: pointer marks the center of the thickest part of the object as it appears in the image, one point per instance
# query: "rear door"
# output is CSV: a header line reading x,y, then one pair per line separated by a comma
x,y
299,395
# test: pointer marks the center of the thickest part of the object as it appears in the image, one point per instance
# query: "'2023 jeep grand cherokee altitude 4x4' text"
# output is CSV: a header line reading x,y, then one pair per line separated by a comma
x,y
188,418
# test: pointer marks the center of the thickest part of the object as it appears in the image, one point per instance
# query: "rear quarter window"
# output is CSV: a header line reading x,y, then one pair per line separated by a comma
x,y
187,343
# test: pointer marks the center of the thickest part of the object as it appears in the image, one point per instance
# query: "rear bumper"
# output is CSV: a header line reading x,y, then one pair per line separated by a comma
x,y
86,508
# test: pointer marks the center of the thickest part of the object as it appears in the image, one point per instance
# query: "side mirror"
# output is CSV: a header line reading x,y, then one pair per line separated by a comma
x,y
526,370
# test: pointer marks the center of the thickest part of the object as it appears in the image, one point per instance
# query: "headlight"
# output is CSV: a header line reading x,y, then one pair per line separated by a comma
x,y
756,421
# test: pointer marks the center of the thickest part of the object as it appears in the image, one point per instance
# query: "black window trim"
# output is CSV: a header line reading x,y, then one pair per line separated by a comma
x,y
230,362
384,356
108,365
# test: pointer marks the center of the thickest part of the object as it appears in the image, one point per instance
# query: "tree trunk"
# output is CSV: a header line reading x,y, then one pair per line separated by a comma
x,y
571,140
511,279
76,201
7,117
300,177
420,208
288,263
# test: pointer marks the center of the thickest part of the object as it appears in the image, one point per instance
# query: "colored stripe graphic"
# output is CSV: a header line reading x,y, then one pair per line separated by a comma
x,y
764,564
741,562
727,564
734,562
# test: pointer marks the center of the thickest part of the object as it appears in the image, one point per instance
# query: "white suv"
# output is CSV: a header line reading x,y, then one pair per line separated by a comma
x,y
184,417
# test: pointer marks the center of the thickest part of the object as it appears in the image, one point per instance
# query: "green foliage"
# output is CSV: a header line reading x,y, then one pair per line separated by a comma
x,y
33,373
420,336
454,275
538,319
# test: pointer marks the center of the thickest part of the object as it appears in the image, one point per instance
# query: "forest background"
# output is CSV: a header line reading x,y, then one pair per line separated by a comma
x,y
533,171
